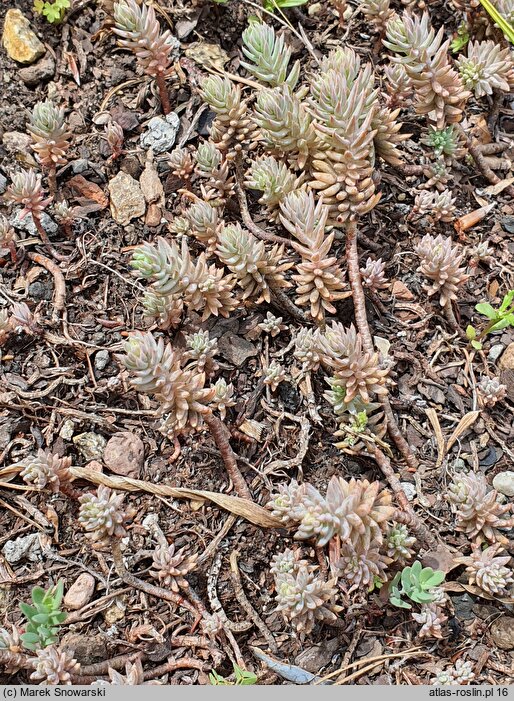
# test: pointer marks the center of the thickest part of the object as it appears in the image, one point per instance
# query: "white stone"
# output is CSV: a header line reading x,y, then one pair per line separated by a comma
x,y
161,133
504,483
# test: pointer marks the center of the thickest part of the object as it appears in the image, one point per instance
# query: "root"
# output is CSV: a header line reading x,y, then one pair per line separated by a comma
x,y
221,434
481,162
59,284
163,93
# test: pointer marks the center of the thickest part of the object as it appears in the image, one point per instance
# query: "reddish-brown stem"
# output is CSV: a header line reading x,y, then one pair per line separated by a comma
x,y
102,668
450,315
221,436
171,665
150,589
14,659
59,284
46,241
361,319
248,221
413,520
52,181
163,93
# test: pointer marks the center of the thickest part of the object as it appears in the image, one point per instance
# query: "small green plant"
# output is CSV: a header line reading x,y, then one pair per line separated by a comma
x,y
498,19
243,678
461,39
43,618
498,319
271,5
53,11
416,584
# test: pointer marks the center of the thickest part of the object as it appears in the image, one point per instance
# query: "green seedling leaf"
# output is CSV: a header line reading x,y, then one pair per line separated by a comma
x,y
471,333
507,301
476,345
243,677
487,310
502,324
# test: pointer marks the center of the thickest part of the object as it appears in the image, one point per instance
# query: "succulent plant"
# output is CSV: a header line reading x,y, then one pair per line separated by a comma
x,y
273,179
208,159
274,374
181,163
44,617
54,666
155,369
46,470
173,274
399,543
308,348
258,269
201,349
101,515
22,319
373,275
355,370
478,512
356,510
171,566
359,570
139,31
134,676
285,126
115,138
232,126
26,189
505,8
378,13
319,279
223,397
398,85
11,642
417,583
439,90
65,214
50,137
488,571
439,206
165,310
303,599
269,56
461,673
445,142
204,222
6,234
431,618
491,391
287,562
5,326
440,262
487,67
272,324
438,175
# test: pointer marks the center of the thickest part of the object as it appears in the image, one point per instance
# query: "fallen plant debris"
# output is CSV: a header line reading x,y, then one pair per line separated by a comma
x,y
272,291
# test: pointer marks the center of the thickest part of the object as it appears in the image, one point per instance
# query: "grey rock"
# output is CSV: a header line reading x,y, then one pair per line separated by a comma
x,y
38,72
102,359
502,632
90,445
409,489
236,349
25,547
27,224
16,142
503,482
318,656
39,290
3,184
495,352
463,606
161,133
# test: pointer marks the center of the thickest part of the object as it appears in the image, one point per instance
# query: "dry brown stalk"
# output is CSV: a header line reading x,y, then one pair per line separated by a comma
x,y
361,319
59,284
481,161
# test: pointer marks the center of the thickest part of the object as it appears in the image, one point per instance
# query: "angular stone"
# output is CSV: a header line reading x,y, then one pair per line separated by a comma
x,y
27,224
20,42
161,133
503,482
127,200
80,592
502,632
16,142
236,349
40,71
124,454
507,358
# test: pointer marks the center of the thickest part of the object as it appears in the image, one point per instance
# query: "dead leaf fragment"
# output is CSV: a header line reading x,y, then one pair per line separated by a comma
x,y
89,190
499,187
207,54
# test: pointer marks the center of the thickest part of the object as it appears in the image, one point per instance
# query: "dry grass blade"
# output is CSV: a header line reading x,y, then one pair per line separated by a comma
x,y
466,422
434,420
379,658
253,513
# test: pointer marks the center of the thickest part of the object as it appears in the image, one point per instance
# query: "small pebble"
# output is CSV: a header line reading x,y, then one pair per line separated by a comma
x,y
127,200
161,134
495,352
409,489
27,224
20,42
25,547
67,430
39,290
90,445
101,359
40,71
80,592
125,454
503,482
